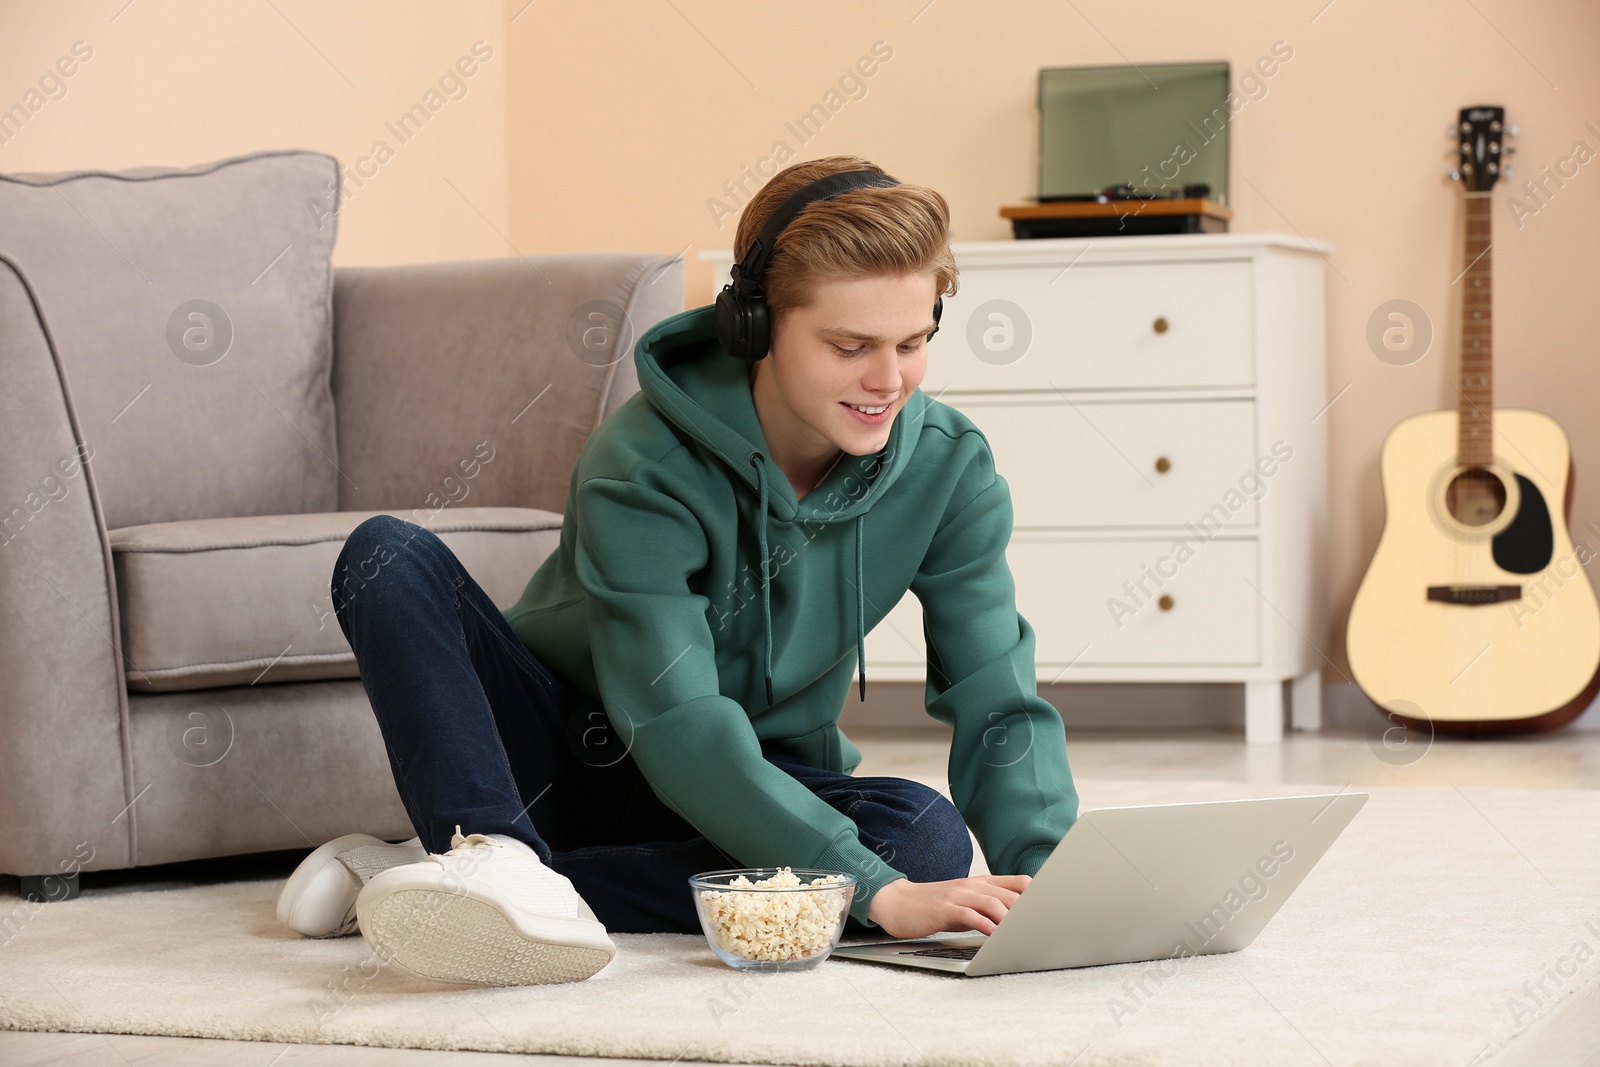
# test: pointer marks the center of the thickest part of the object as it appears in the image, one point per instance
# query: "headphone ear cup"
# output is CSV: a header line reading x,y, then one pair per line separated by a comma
x,y
742,327
759,335
727,319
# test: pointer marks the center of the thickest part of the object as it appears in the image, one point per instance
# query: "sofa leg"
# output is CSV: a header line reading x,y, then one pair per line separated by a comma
x,y
50,888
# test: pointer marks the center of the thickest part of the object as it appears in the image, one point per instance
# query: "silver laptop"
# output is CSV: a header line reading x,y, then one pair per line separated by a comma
x,y
1144,883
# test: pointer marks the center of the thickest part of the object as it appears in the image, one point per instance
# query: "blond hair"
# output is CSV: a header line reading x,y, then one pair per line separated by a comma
x,y
896,229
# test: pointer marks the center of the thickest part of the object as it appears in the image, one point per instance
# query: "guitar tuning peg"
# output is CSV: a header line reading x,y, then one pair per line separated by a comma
x,y
1512,129
1509,167
1450,130
1453,175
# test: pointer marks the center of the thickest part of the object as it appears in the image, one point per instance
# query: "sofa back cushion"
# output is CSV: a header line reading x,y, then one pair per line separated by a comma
x,y
192,311
477,382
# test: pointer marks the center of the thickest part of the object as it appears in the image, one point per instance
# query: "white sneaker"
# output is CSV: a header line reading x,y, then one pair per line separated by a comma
x,y
319,899
488,912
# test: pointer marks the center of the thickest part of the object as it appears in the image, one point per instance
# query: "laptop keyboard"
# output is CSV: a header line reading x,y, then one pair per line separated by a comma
x,y
959,952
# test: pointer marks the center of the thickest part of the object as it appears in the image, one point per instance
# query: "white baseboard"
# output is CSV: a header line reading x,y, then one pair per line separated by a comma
x,y
1174,705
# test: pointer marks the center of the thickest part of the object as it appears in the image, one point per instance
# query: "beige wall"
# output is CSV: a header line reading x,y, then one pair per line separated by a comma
x,y
179,83
614,125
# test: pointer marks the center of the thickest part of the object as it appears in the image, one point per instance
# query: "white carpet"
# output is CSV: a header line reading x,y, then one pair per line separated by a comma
x,y
1423,937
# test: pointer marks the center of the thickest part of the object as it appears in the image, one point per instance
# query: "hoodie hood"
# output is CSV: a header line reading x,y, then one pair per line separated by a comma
x,y
691,379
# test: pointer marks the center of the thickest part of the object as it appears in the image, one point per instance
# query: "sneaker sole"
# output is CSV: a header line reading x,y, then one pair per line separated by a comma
x,y
446,937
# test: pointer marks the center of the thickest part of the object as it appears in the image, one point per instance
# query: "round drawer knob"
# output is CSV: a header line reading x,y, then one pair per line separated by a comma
x,y
1163,464
1165,603
1160,325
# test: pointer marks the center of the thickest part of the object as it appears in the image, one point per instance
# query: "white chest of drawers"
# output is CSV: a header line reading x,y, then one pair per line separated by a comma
x,y
1157,406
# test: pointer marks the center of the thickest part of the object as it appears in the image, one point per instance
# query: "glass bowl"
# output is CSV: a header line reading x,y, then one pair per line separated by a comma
x,y
772,927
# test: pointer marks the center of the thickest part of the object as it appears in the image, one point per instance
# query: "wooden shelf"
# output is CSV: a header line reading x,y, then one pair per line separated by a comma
x,y
1116,218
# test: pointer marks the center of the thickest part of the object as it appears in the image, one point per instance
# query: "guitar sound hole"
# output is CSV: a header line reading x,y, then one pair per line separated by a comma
x,y
1475,497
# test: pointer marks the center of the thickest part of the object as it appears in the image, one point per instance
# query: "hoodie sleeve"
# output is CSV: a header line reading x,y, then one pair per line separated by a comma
x,y
1009,776
655,664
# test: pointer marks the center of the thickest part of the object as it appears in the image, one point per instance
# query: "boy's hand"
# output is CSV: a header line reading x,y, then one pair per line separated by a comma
x,y
916,909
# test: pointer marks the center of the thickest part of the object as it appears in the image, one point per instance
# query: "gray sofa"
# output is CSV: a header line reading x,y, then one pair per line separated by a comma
x,y
196,408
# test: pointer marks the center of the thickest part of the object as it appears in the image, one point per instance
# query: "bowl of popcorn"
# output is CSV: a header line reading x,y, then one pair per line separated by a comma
x,y
773,918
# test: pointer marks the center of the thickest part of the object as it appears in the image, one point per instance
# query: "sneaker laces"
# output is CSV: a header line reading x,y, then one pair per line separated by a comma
x,y
458,843
462,845
536,887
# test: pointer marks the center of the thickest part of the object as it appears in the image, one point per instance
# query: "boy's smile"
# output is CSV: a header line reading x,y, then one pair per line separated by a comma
x,y
862,343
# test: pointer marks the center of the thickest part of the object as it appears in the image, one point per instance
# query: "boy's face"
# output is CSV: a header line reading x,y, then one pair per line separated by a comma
x,y
861,341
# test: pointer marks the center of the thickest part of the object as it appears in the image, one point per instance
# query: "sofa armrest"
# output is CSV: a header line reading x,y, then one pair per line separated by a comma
x,y
64,755
477,382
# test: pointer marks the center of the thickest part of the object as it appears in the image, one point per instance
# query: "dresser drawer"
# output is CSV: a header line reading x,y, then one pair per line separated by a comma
x,y
1102,326
1078,464
1072,593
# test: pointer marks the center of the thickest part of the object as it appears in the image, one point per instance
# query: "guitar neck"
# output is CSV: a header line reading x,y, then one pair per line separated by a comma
x,y
1475,446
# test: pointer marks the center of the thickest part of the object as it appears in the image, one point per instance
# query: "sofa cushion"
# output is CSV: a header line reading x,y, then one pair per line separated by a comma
x,y
239,601
192,312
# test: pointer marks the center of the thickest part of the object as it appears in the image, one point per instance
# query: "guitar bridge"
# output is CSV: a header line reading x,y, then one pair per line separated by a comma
x,y
1473,595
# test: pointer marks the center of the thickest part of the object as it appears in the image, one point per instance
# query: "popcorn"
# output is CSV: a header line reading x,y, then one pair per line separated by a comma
x,y
776,926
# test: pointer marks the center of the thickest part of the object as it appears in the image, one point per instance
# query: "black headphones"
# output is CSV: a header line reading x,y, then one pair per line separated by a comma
x,y
744,322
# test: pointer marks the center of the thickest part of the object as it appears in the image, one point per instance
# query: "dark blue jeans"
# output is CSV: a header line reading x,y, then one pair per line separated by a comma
x,y
481,734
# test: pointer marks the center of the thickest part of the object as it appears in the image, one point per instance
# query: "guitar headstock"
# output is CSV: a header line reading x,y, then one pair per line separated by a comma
x,y
1482,140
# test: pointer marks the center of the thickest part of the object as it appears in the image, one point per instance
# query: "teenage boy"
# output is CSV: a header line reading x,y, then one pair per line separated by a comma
x,y
664,698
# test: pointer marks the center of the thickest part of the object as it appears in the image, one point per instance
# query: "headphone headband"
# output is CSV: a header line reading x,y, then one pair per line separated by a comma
x,y
759,254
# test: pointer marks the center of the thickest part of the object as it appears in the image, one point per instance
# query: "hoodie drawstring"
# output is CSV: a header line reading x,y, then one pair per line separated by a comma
x,y
861,604
766,595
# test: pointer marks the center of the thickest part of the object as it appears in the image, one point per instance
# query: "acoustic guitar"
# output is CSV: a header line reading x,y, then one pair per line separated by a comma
x,y
1476,615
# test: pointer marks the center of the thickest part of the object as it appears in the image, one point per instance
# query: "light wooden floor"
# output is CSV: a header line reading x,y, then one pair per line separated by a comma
x,y
1568,759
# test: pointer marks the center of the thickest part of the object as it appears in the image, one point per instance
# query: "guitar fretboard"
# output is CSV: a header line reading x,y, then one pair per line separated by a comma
x,y
1475,447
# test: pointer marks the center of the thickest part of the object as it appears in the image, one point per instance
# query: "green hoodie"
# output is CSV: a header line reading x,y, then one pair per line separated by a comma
x,y
657,604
